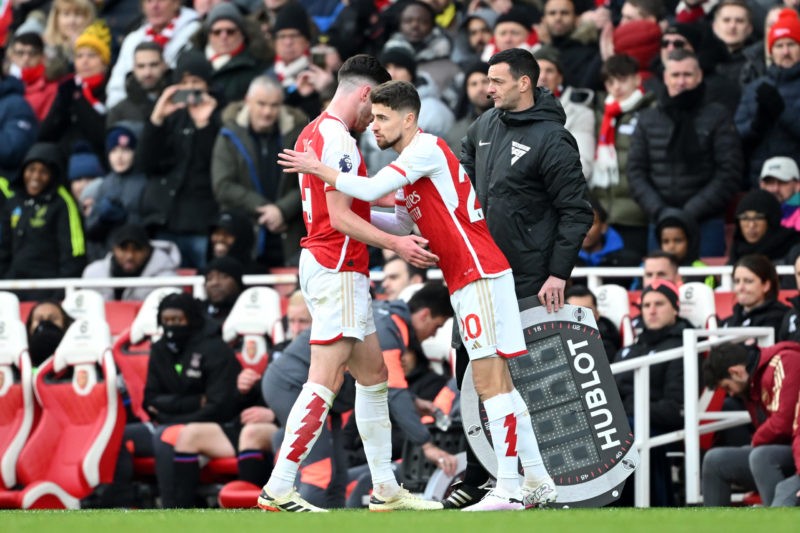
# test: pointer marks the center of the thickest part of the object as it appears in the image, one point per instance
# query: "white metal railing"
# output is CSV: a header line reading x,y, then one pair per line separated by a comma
x,y
594,276
690,434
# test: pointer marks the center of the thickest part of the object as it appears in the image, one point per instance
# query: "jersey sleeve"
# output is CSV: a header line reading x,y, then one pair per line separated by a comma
x,y
339,150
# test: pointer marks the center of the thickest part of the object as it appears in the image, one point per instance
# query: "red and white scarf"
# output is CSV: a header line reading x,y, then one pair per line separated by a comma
x,y
287,74
160,37
220,60
686,14
531,45
606,166
88,85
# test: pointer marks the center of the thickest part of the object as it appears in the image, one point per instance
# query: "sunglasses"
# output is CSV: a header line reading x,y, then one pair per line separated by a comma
x,y
674,42
224,31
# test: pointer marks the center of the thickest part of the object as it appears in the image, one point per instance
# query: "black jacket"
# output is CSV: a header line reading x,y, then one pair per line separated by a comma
x,y
528,178
72,119
666,379
768,314
138,105
790,327
41,236
177,383
701,187
176,157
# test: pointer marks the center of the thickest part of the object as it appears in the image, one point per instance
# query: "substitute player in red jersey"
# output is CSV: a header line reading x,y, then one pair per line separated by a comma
x,y
335,284
436,194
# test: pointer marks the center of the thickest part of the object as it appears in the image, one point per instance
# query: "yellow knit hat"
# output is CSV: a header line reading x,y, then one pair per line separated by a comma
x,y
96,36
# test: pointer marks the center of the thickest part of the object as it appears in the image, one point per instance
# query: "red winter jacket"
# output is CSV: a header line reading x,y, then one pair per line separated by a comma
x,y
774,390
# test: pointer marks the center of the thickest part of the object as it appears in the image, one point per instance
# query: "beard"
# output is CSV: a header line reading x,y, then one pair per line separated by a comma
x,y
388,143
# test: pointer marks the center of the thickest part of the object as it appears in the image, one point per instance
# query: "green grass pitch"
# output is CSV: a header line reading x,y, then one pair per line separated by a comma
x,y
746,520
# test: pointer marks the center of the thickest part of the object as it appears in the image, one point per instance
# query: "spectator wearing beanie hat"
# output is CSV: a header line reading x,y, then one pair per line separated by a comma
x,y
512,29
302,81
434,115
223,286
473,36
663,330
227,49
167,24
78,113
175,150
133,254
119,197
759,231
84,168
769,111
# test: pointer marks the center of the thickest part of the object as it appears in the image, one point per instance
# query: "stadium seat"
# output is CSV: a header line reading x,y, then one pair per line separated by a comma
x,y
75,445
698,305
85,304
614,304
256,313
9,306
724,302
18,409
120,315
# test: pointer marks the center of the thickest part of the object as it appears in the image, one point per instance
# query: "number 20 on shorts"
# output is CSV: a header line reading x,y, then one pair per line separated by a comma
x,y
471,326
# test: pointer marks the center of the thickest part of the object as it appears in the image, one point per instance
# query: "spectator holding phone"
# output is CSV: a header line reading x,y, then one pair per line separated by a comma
x,y
175,152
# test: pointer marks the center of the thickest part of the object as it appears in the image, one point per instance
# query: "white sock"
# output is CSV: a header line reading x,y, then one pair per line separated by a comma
x,y
503,428
527,445
303,428
372,419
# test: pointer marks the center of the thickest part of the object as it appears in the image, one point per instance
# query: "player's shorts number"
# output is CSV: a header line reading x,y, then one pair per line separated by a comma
x,y
471,326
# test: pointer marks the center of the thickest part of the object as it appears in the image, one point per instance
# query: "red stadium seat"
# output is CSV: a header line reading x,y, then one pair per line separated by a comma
x,y
120,315
18,409
74,447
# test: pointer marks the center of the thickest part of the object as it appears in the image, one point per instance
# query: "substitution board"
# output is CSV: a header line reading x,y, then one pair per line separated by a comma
x,y
583,432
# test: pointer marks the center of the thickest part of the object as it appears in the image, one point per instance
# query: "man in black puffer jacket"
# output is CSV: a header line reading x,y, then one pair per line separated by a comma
x,y
686,153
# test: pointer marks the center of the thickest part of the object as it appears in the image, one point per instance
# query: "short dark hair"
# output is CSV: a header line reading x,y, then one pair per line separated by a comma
x,y
652,8
31,39
411,269
680,54
149,46
661,254
619,66
580,291
720,359
761,266
397,95
520,63
363,66
433,295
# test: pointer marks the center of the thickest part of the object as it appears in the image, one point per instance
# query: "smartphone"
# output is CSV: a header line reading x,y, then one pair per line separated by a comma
x,y
187,96
318,58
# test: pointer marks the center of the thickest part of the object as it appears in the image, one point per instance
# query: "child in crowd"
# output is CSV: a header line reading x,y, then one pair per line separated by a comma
x,y
118,200
677,233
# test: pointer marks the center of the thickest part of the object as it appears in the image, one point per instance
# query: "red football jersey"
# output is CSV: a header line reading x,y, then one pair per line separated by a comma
x,y
330,139
441,200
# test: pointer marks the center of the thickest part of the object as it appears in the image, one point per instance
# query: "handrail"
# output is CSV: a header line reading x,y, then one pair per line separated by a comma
x,y
692,429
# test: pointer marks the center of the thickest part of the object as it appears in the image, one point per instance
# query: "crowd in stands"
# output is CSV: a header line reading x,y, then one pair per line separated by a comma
x,y
140,137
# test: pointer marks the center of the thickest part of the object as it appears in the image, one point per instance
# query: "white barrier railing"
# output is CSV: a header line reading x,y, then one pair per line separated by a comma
x,y
594,276
690,434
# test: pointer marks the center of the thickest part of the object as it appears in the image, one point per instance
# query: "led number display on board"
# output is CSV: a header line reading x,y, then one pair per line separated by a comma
x,y
580,423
